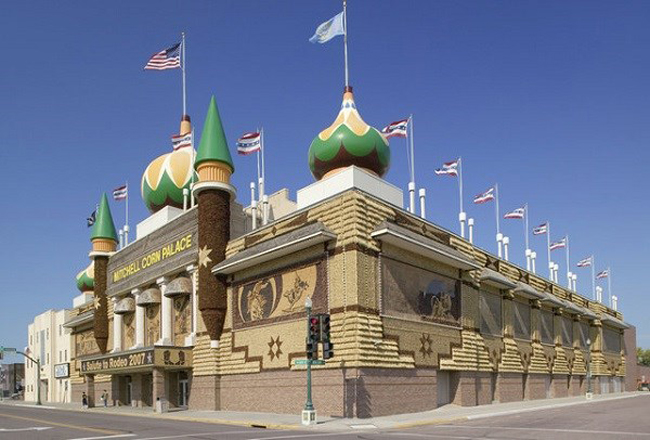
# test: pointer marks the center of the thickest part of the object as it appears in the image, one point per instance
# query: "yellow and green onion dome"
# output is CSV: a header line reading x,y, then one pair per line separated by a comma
x,y
86,279
165,178
349,141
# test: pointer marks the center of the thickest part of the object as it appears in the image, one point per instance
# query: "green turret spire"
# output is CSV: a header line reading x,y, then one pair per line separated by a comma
x,y
213,146
104,226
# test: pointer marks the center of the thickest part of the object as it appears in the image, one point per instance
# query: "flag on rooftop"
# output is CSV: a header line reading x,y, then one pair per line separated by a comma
x,y
541,229
517,213
328,30
182,140
121,192
249,143
603,274
396,129
165,59
91,220
448,169
558,244
485,197
585,262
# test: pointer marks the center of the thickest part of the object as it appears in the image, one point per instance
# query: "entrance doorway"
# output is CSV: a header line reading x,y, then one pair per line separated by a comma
x,y
443,388
183,388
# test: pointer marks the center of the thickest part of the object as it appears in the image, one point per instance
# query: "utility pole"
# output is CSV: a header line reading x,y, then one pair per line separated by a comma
x,y
589,391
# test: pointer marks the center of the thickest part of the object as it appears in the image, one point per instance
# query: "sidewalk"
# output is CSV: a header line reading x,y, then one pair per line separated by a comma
x,y
446,414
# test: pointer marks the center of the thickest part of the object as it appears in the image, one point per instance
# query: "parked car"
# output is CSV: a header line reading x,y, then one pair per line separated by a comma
x,y
645,386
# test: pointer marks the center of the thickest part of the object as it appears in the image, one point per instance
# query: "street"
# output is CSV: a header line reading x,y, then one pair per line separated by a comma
x,y
614,419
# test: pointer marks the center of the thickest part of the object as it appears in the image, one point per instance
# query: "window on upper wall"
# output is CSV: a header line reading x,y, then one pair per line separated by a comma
x,y
567,331
31,340
490,310
584,334
611,340
48,334
546,326
521,320
65,355
48,359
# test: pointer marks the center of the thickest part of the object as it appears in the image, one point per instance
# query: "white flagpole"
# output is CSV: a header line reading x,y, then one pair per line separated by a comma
x,y
411,186
259,174
527,252
183,71
496,211
345,41
568,269
192,175
263,147
548,249
593,277
609,285
461,215
126,216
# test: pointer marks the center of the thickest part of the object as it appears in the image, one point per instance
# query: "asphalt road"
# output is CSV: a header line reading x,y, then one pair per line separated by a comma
x,y
616,419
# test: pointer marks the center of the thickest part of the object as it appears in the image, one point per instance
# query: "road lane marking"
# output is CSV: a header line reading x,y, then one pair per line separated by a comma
x,y
299,436
27,405
411,434
63,425
106,436
35,428
250,431
576,431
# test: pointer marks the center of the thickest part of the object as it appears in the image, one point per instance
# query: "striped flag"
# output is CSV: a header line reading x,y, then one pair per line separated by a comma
x,y
120,193
517,213
91,220
165,59
448,169
541,229
585,262
182,140
603,274
558,244
249,143
485,197
396,129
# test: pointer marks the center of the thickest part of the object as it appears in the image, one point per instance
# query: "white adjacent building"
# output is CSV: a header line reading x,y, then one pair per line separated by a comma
x,y
49,342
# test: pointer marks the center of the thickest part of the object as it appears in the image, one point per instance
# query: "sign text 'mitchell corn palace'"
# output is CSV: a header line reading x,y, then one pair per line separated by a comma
x,y
167,251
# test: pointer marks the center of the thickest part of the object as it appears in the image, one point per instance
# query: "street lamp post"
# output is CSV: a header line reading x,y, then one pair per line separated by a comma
x,y
589,391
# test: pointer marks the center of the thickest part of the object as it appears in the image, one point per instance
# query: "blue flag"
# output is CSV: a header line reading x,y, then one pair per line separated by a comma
x,y
328,30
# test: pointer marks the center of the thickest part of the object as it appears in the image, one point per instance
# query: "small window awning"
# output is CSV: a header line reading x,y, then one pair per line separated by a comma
x,y
125,305
614,322
588,313
528,291
404,239
573,308
80,319
149,296
285,244
553,300
496,279
179,286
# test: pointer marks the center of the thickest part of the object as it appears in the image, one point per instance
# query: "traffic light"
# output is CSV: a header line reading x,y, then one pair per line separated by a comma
x,y
328,347
328,350
315,328
312,350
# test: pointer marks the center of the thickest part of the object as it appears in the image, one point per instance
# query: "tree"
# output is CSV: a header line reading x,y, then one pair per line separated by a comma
x,y
643,356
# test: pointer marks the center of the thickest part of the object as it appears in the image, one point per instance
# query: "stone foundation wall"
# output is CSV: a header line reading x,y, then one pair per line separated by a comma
x,y
536,388
471,389
559,386
510,387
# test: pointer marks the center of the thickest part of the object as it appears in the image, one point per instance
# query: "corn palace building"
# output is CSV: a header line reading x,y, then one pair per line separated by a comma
x,y
205,313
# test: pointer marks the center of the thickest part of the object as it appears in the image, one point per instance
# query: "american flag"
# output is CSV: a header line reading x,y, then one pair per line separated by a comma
x,y
121,192
182,140
249,143
396,129
517,213
165,59
603,274
485,197
91,220
558,244
585,262
541,229
448,169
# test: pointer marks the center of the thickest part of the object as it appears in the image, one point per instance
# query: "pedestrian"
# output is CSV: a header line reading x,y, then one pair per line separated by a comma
x,y
84,400
105,398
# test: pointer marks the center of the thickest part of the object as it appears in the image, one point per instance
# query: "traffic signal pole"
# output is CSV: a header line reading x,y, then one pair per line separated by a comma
x,y
309,412
38,369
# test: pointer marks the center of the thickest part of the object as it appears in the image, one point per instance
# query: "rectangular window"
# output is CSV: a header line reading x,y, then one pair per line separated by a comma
x,y
48,334
31,341
490,309
546,326
611,340
65,355
60,329
567,332
584,334
48,359
522,320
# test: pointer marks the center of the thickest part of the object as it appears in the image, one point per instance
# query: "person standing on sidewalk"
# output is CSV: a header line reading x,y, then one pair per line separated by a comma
x,y
105,398
84,400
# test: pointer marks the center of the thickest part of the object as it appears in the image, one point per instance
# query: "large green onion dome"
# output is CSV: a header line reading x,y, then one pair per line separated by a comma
x,y
86,279
349,141
165,177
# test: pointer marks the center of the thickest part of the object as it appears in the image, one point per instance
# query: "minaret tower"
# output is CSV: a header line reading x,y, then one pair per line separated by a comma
x,y
213,191
104,240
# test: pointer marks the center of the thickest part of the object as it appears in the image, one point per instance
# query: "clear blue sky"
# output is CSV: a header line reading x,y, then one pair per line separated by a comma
x,y
549,99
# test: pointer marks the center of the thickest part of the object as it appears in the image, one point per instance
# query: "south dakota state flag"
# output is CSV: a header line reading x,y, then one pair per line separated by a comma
x,y
328,30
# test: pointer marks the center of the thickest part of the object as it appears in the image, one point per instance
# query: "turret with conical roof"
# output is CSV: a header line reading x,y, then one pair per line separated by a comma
x,y
103,233
213,191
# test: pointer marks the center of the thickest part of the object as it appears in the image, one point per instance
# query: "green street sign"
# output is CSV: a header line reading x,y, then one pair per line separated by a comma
x,y
8,350
308,361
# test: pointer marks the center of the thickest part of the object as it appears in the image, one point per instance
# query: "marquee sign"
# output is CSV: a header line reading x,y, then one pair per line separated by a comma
x,y
162,357
61,371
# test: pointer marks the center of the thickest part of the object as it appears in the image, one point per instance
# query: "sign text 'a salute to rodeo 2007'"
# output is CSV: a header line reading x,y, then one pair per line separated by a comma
x,y
167,251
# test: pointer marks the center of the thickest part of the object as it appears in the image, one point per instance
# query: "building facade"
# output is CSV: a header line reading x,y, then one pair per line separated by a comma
x,y
206,314
12,380
49,342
